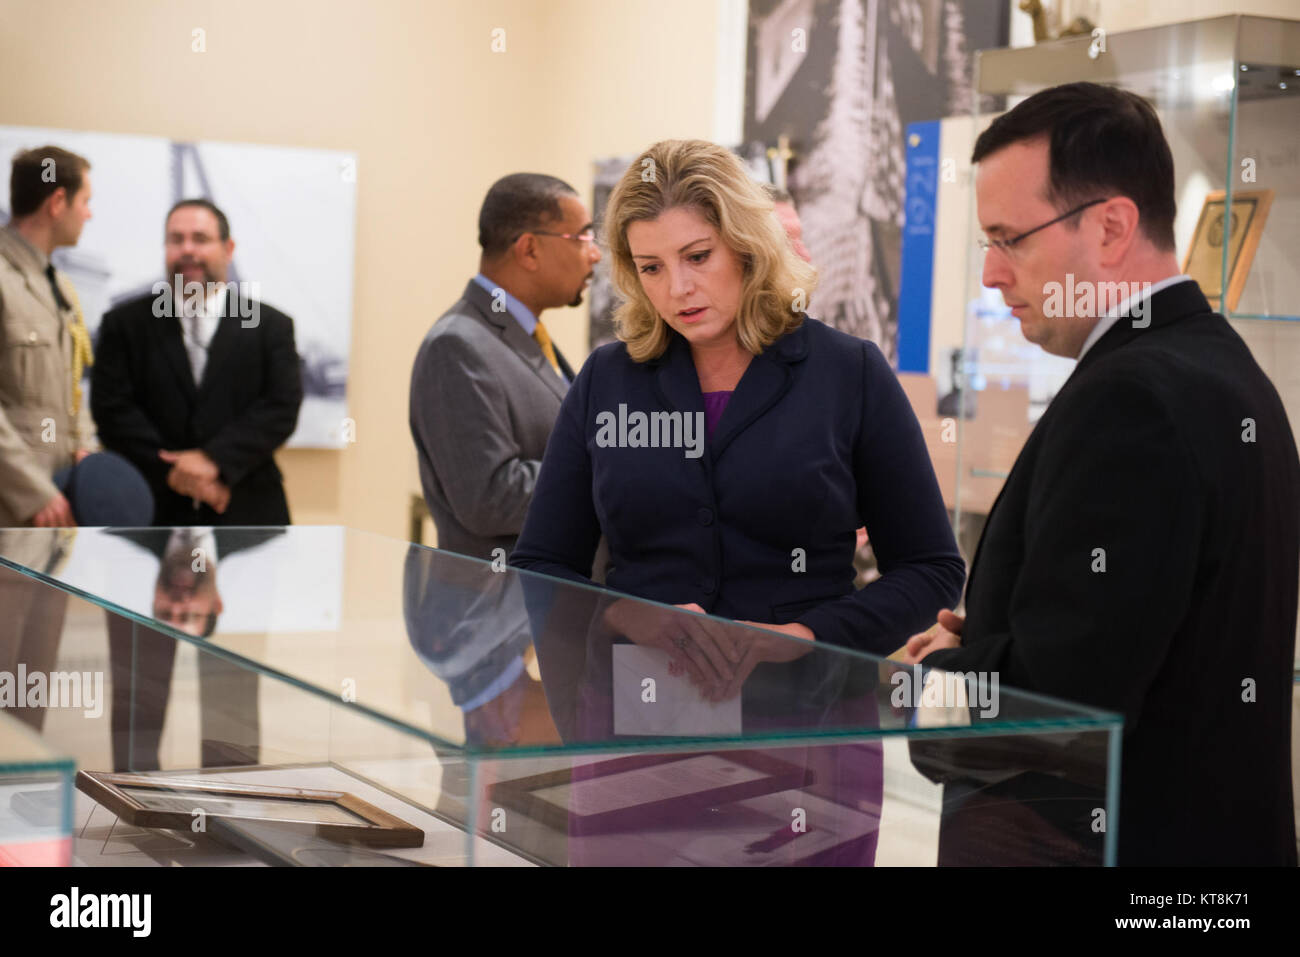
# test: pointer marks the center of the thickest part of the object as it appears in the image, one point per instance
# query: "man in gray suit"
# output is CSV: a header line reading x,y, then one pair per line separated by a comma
x,y
488,382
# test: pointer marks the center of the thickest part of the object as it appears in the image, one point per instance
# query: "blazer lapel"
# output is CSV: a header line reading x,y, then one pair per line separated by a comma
x,y
221,350
173,348
767,379
39,286
675,383
564,363
513,335
762,385
13,248
677,386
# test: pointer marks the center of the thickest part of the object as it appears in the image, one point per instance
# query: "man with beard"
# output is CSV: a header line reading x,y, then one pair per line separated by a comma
x,y
198,385
488,382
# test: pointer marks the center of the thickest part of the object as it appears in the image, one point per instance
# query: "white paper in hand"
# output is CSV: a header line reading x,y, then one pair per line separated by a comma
x,y
650,701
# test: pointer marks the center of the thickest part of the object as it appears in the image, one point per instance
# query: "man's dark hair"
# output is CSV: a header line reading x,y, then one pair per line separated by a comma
x,y
517,204
223,224
1102,142
37,173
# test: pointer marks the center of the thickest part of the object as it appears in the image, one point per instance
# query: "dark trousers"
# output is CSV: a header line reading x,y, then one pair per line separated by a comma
x,y
141,660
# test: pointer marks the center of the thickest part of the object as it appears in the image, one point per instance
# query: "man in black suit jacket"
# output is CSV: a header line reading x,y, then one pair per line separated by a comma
x,y
198,384
1143,555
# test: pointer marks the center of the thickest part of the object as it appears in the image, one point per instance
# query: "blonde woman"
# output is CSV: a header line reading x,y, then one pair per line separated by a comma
x,y
728,447
807,434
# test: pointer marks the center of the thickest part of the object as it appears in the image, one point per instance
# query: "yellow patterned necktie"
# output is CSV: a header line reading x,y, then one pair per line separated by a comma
x,y
544,340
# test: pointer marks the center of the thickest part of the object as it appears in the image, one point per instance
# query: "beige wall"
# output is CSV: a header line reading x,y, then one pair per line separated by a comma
x,y
435,116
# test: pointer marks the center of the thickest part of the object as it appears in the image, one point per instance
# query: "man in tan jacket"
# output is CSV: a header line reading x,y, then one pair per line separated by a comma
x,y
44,423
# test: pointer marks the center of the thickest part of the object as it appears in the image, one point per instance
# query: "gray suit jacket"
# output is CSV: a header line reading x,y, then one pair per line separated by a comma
x,y
483,402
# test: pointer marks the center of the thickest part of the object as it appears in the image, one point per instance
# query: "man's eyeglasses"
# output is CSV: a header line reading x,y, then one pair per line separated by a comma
x,y
1008,244
586,236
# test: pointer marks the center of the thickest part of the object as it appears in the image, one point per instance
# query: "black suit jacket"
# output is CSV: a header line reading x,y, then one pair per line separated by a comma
x,y
1169,449
144,398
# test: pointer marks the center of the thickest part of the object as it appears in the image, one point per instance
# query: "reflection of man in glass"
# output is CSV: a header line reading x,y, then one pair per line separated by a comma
x,y
187,599
185,595
31,614
468,625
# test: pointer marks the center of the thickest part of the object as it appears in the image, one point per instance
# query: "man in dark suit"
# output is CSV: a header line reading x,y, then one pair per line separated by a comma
x,y
198,383
1143,554
488,382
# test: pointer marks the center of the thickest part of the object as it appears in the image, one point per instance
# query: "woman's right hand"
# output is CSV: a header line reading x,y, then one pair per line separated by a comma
x,y
705,649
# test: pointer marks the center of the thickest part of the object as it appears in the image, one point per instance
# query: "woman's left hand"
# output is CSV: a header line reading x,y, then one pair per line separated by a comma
x,y
757,648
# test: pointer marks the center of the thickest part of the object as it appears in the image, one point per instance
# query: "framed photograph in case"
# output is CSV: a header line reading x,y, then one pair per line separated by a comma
x,y
166,802
646,791
1240,231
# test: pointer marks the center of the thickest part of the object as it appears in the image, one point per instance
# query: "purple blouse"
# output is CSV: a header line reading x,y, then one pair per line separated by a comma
x,y
714,403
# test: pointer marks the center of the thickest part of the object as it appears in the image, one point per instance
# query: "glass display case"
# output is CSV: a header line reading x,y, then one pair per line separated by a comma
x,y
35,798
318,695
1227,91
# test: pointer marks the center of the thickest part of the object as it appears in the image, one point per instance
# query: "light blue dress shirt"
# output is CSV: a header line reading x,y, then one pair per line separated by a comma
x,y
523,315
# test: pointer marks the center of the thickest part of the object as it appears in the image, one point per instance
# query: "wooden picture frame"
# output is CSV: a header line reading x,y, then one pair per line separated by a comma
x,y
549,797
166,802
1204,259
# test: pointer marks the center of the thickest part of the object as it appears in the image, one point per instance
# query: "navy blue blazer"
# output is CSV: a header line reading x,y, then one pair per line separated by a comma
x,y
817,439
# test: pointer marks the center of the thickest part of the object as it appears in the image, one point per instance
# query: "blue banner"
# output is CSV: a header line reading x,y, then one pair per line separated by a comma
x,y
917,269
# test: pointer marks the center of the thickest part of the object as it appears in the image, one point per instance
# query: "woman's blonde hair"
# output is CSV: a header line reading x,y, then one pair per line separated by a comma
x,y
710,179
